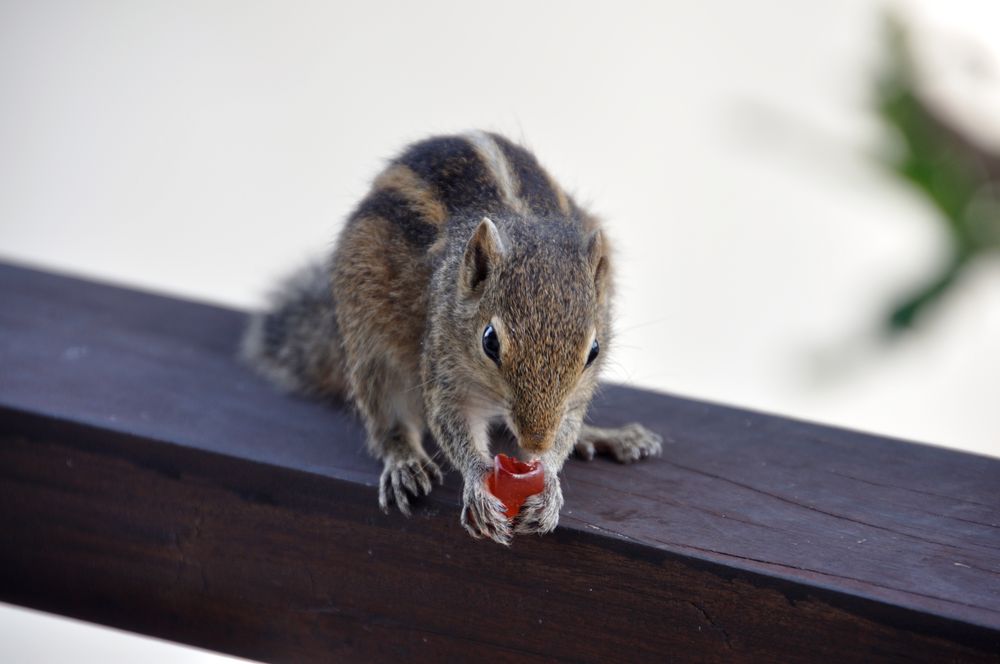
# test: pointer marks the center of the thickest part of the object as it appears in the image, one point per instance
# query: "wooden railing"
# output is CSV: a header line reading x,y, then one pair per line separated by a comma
x,y
149,482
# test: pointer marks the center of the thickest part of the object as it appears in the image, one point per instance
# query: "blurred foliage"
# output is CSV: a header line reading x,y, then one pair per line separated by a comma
x,y
961,179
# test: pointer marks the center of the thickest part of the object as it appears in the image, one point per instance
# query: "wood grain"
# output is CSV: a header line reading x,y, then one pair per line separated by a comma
x,y
149,481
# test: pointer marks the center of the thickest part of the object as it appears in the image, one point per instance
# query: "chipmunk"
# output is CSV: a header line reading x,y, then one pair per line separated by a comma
x,y
467,288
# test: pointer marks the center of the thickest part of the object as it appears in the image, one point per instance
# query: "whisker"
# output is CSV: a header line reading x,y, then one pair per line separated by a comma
x,y
419,385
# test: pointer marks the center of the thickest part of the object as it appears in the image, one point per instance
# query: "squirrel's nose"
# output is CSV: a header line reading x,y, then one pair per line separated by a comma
x,y
536,441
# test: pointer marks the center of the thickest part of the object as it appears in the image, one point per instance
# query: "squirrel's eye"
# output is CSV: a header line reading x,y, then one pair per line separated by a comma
x,y
491,344
595,349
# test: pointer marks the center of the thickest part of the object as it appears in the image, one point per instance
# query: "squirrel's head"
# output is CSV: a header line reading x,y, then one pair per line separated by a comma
x,y
540,321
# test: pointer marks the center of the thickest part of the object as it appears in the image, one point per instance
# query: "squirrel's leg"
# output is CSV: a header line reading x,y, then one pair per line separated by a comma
x,y
626,444
391,406
540,513
465,441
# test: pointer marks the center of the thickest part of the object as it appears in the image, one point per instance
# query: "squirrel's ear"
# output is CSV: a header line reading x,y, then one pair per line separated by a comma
x,y
482,255
598,260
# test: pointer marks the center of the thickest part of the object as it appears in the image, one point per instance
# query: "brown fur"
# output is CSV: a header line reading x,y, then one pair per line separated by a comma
x,y
406,182
456,234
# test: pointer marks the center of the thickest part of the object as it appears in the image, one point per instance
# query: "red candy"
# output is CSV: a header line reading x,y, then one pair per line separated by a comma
x,y
512,481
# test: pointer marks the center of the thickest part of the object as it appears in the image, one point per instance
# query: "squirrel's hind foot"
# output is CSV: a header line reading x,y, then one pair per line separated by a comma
x,y
626,444
404,477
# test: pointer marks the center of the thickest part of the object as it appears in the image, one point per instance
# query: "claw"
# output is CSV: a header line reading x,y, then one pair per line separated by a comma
x,y
484,515
405,476
436,471
585,450
402,502
383,489
424,481
403,479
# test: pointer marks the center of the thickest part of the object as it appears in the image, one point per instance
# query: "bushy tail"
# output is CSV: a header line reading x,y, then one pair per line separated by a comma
x,y
295,342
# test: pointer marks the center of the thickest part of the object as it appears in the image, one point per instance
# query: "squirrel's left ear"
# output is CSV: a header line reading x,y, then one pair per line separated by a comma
x,y
483,253
598,260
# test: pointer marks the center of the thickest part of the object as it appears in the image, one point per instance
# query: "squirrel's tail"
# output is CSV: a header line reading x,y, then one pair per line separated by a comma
x,y
295,342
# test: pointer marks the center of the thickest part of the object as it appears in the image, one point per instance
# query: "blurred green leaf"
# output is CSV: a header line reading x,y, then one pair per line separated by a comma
x,y
958,177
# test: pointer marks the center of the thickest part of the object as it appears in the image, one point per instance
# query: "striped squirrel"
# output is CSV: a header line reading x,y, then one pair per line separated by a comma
x,y
466,288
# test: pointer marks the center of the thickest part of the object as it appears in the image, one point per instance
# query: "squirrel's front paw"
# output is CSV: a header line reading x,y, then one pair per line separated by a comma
x,y
411,475
483,514
540,512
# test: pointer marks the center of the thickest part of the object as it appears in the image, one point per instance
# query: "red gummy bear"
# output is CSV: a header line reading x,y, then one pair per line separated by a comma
x,y
512,481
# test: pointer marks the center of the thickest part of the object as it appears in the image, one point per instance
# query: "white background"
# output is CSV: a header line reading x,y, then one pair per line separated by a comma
x,y
205,148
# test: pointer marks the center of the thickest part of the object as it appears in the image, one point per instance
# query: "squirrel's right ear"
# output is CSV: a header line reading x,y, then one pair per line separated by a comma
x,y
483,253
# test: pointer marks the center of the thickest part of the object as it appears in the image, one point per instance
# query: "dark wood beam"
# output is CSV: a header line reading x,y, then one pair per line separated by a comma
x,y
149,482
